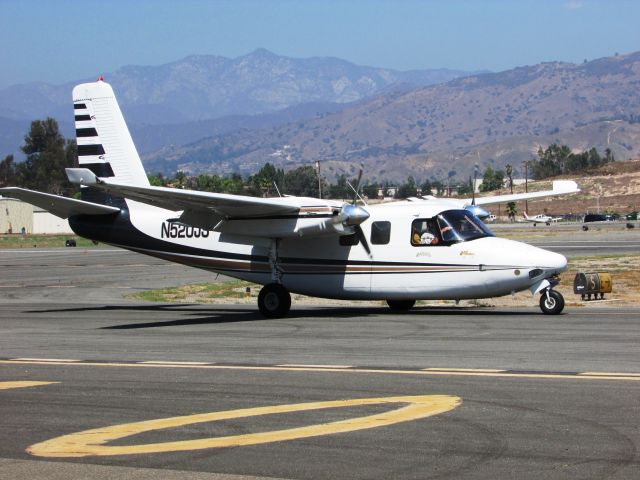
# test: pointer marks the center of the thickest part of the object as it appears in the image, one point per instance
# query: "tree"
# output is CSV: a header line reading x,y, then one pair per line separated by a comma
x,y
302,181
7,172
512,211
466,188
509,171
551,162
157,180
370,190
492,180
180,179
608,155
262,183
407,189
426,188
48,154
340,190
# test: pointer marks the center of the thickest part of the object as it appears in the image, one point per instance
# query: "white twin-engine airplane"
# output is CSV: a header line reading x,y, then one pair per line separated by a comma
x,y
423,248
541,218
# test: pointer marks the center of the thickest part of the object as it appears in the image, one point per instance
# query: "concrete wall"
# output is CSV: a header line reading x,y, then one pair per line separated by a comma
x,y
15,215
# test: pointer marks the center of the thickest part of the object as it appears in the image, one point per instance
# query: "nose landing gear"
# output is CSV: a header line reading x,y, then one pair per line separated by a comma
x,y
551,302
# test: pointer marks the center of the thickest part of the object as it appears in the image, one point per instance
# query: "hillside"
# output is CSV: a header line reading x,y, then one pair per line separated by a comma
x,y
492,119
616,187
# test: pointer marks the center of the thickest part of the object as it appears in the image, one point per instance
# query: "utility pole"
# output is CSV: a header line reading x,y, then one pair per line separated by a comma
x,y
319,179
526,183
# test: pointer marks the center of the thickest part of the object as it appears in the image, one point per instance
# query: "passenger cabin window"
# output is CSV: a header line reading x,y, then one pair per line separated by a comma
x,y
380,233
348,240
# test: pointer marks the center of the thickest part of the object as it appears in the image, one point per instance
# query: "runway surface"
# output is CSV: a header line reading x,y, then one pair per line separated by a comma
x,y
463,393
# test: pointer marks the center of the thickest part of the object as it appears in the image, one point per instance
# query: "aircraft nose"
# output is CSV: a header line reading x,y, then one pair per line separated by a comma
x,y
527,256
550,262
556,261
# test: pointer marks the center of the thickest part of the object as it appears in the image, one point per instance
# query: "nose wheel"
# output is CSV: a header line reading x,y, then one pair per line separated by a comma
x,y
274,301
551,302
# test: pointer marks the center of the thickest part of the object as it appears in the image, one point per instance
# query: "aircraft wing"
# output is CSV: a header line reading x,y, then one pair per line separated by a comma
x,y
62,207
560,187
194,202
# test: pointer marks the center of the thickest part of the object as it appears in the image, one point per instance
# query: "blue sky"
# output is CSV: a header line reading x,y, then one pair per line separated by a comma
x,y
66,40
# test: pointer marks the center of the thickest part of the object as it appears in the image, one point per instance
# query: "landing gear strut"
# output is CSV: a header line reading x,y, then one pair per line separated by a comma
x,y
551,302
274,301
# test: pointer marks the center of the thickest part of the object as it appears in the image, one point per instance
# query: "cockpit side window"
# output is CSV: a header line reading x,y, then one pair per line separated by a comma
x,y
461,226
424,232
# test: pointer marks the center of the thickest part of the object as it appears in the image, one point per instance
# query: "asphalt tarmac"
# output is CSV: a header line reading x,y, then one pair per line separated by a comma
x,y
328,392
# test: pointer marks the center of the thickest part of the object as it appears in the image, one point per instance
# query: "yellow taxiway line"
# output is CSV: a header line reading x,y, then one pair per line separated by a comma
x,y
464,372
92,442
22,384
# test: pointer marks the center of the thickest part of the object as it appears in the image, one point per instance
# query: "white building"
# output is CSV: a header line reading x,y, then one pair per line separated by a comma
x,y
17,216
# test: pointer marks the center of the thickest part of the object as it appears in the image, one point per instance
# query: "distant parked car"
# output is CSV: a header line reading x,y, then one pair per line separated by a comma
x,y
601,217
631,216
595,217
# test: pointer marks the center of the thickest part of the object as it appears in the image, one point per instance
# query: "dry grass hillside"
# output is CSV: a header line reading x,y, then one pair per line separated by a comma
x,y
617,185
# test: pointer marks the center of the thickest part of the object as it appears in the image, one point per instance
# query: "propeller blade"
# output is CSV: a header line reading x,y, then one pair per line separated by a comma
x,y
357,189
363,239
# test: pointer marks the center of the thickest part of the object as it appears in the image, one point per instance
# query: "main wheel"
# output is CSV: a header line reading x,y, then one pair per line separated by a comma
x,y
274,301
552,305
401,305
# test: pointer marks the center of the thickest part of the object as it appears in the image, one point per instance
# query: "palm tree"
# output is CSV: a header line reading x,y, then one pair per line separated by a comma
x,y
512,211
509,170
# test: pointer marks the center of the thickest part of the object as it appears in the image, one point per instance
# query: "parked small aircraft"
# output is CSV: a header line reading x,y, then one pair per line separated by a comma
x,y
541,218
422,248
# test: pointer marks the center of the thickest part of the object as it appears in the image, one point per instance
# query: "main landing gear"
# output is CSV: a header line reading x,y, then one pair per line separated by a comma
x,y
274,301
551,302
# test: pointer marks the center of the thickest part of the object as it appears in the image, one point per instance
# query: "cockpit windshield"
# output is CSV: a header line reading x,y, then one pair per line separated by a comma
x,y
461,226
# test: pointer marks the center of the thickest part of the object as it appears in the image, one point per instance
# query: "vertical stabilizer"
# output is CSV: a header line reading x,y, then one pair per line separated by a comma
x,y
104,143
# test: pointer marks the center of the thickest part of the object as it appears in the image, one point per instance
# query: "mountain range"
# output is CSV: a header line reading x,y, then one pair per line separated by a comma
x,y
442,130
210,114
201,88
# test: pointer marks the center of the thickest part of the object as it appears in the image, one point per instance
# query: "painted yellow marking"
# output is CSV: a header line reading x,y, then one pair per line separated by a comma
x,y
54,360
452,373
92,442
302,365
169,362
480,370
600,374
22,384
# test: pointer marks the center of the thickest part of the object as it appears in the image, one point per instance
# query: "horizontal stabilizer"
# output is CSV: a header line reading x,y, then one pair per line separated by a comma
x,y
560,187
62,207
